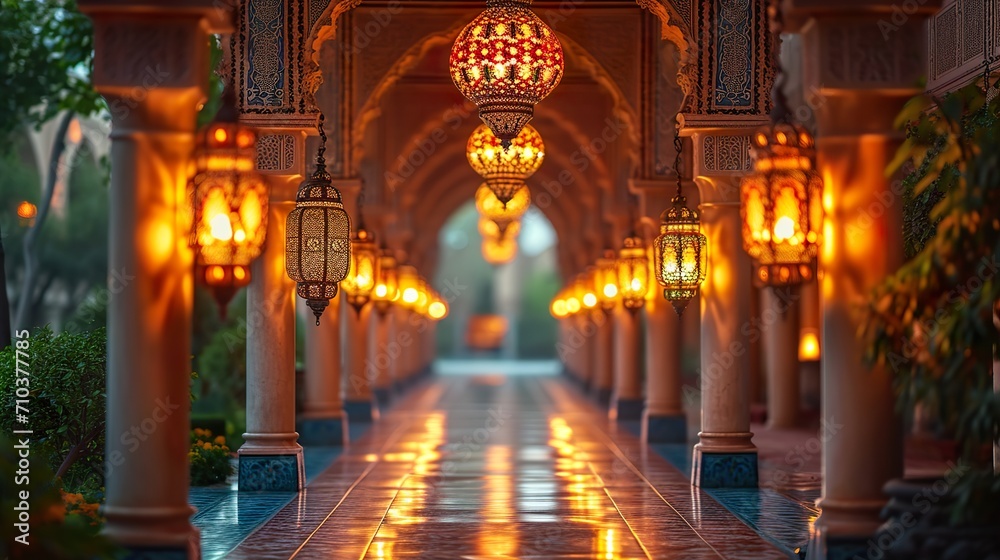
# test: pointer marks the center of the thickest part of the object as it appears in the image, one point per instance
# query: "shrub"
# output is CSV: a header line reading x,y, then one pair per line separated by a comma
x,y
209,458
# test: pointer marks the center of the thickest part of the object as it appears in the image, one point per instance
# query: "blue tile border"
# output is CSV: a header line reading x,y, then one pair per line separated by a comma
x,y
269,473
321,431
724,470
359,411
666,429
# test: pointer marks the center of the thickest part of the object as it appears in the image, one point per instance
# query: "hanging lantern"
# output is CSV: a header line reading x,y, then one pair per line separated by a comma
x,y
505,170
387,282
506,61
633,273
409,286
230,202
438,309
490,229
781,203
558,307
317,237
606,280
26,213
573,304
680,253
585,289
490,206
498,251
359,284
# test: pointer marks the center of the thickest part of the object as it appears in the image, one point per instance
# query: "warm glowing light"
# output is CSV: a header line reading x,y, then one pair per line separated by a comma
x,y
359,283
229,201
490,229
411,295
610,291
606,280
505,170
506,61
27,210
782,206
809,346
499,251
437,310
589,300
572,305
558,308
633,273
491,207
680,254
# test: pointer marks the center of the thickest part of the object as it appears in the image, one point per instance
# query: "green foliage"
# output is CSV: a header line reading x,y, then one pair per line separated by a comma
x,y
537,329
57,532
67,403
931,322
48,52
209,458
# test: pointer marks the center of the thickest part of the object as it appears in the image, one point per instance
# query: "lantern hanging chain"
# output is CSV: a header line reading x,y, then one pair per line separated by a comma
x,y
679,150
321,152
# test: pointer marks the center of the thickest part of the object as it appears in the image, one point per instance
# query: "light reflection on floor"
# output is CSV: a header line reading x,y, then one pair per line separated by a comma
x,y
493,467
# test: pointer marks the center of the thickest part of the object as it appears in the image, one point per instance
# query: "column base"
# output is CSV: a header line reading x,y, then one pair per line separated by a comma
x,y
272,471
155,533
360,411
602,396
629,409
383,397
724,469
824,547
666,428
323,431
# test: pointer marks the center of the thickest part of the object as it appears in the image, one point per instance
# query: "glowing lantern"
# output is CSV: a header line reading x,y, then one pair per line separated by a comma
x,y
606,280
781,202
558,307
573,305
490,206
490,229
409,286
438,309
506,61
633,273
359,285
26,213
317,238
680,254
505,170
809,345
584,289
498,251
424,298
387,282
230,203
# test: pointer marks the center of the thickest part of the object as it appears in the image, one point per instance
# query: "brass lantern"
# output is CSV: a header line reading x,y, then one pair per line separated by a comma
x,y
606,280
505,170
573,304
490,206
585,291
506,61
230,202
499,250
633,273
488,228
558,307
409,286
781,203
359,284
680,254
317,238
387,282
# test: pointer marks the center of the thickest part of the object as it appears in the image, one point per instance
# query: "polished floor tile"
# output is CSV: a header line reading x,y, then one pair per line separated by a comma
x,y
488,466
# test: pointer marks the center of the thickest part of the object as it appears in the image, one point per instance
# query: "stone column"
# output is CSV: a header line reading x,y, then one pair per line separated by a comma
x,y
779,319
856,104
380,354
602,358
359,399
627,402
400,365
150,66
323,421
271,457
663,419
724,455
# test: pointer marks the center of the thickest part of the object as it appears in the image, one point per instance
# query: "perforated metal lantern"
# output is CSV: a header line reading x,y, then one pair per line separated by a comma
x,y
499,250
781,204
359,285
490,229
633,273
490,206
680,254
386,283
230,202
606,280
506,61
409,286
505,169
317,241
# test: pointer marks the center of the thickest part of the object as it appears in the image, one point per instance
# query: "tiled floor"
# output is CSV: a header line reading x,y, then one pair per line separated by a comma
x,y
488,466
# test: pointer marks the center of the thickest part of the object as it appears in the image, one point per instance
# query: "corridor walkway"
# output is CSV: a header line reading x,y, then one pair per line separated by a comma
x,y
489,466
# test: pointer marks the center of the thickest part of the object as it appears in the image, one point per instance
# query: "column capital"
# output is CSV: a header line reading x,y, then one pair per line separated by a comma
x,y
721,157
